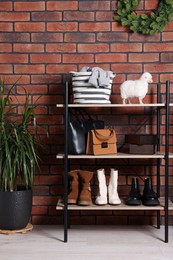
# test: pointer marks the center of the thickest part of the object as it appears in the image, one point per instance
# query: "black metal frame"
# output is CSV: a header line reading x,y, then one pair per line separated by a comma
x,y
66,159
167,159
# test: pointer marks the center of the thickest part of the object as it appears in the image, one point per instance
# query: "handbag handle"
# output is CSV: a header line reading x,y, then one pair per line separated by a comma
x,y
80,113
104,137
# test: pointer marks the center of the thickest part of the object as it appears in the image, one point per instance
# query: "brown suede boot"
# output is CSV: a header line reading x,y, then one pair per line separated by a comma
x,y
74,187
85,194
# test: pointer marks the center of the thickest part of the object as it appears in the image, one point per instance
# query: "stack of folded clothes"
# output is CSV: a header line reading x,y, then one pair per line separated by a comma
x,y
92,86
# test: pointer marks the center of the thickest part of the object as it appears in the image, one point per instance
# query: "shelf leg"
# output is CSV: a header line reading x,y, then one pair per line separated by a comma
x,y
66,164
167,160
158,219
158,150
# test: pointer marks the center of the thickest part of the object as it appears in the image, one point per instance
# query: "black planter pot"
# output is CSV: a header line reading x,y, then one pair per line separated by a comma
x,y
15,209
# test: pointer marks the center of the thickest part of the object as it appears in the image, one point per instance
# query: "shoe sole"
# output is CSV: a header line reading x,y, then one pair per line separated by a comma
x,y
84,203
71,201
151,203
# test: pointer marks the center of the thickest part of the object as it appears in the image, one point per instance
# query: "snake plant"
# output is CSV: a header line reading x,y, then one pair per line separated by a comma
x,y
18,144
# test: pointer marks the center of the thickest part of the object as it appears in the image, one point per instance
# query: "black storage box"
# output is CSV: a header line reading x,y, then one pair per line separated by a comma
x,y
141,144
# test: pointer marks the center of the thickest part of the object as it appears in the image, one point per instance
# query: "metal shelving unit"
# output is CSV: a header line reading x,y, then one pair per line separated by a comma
x,y
165,204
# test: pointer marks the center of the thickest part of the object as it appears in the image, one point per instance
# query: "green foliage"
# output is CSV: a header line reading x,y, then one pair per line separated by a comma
x,y
18,146
143,23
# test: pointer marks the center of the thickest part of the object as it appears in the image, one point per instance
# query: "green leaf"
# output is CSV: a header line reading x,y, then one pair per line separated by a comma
x,y
144,16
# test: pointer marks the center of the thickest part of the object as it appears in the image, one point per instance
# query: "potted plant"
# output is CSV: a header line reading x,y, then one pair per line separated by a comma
x,y
18,159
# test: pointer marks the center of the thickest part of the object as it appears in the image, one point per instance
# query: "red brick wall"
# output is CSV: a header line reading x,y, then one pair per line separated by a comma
x,y
41,41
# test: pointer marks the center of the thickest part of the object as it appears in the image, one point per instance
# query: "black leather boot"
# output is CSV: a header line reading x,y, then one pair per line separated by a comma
x,y
134,197
149,196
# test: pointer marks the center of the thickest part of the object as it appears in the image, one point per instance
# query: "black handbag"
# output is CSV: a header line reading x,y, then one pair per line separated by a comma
x,y
80,123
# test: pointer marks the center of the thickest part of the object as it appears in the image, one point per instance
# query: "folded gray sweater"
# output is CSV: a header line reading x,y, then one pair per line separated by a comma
x,y
100,77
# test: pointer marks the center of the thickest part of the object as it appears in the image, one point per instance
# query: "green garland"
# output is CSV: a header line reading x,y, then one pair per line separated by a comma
x,y
144,23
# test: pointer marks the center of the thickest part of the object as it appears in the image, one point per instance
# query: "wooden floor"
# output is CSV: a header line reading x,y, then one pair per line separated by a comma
x,y
88,243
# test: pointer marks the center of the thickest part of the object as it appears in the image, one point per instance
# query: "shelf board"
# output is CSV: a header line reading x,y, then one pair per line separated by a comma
x,y
113,105
113,156
122,206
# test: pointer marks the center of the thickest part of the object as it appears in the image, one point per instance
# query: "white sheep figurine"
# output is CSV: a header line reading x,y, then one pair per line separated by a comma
x,y
135,88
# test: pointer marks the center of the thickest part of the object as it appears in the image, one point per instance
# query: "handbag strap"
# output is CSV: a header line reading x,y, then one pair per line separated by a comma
x,y
103,136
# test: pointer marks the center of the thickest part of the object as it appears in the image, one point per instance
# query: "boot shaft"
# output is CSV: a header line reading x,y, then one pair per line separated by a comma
x,y
113,177
74,175
101,176
74,187
85,193
148,185
135,185
85,176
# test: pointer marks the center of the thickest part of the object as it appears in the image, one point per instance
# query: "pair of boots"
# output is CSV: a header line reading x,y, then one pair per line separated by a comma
x,y
80,191
107,194
149,197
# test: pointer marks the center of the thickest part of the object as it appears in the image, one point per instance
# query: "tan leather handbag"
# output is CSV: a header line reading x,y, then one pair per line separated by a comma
x,y
101,142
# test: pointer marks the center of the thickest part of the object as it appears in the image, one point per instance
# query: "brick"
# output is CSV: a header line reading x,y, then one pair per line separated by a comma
x,y
45,58
11,79
164,77
166,57
40,190
111,58
78,58
169,26
46,16
79,37
36,89
62,27
41,110
94,5
118,27
50,69
167,36
5,47
151,5
93,47
136,37
144,57
104,16
156,47
78,16
29,27
29,69
126,68
45,79
112,37
28,48
47,179
6,6
158,68
40,210
6,27
65,5
14,37
6,69
29,6
44,200
47,37
94,27
126,47
64,47
46,220
16,58
14,16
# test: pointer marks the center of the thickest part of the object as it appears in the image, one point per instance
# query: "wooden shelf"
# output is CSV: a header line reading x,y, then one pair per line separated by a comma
x,y
122,206
113,105
114,156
